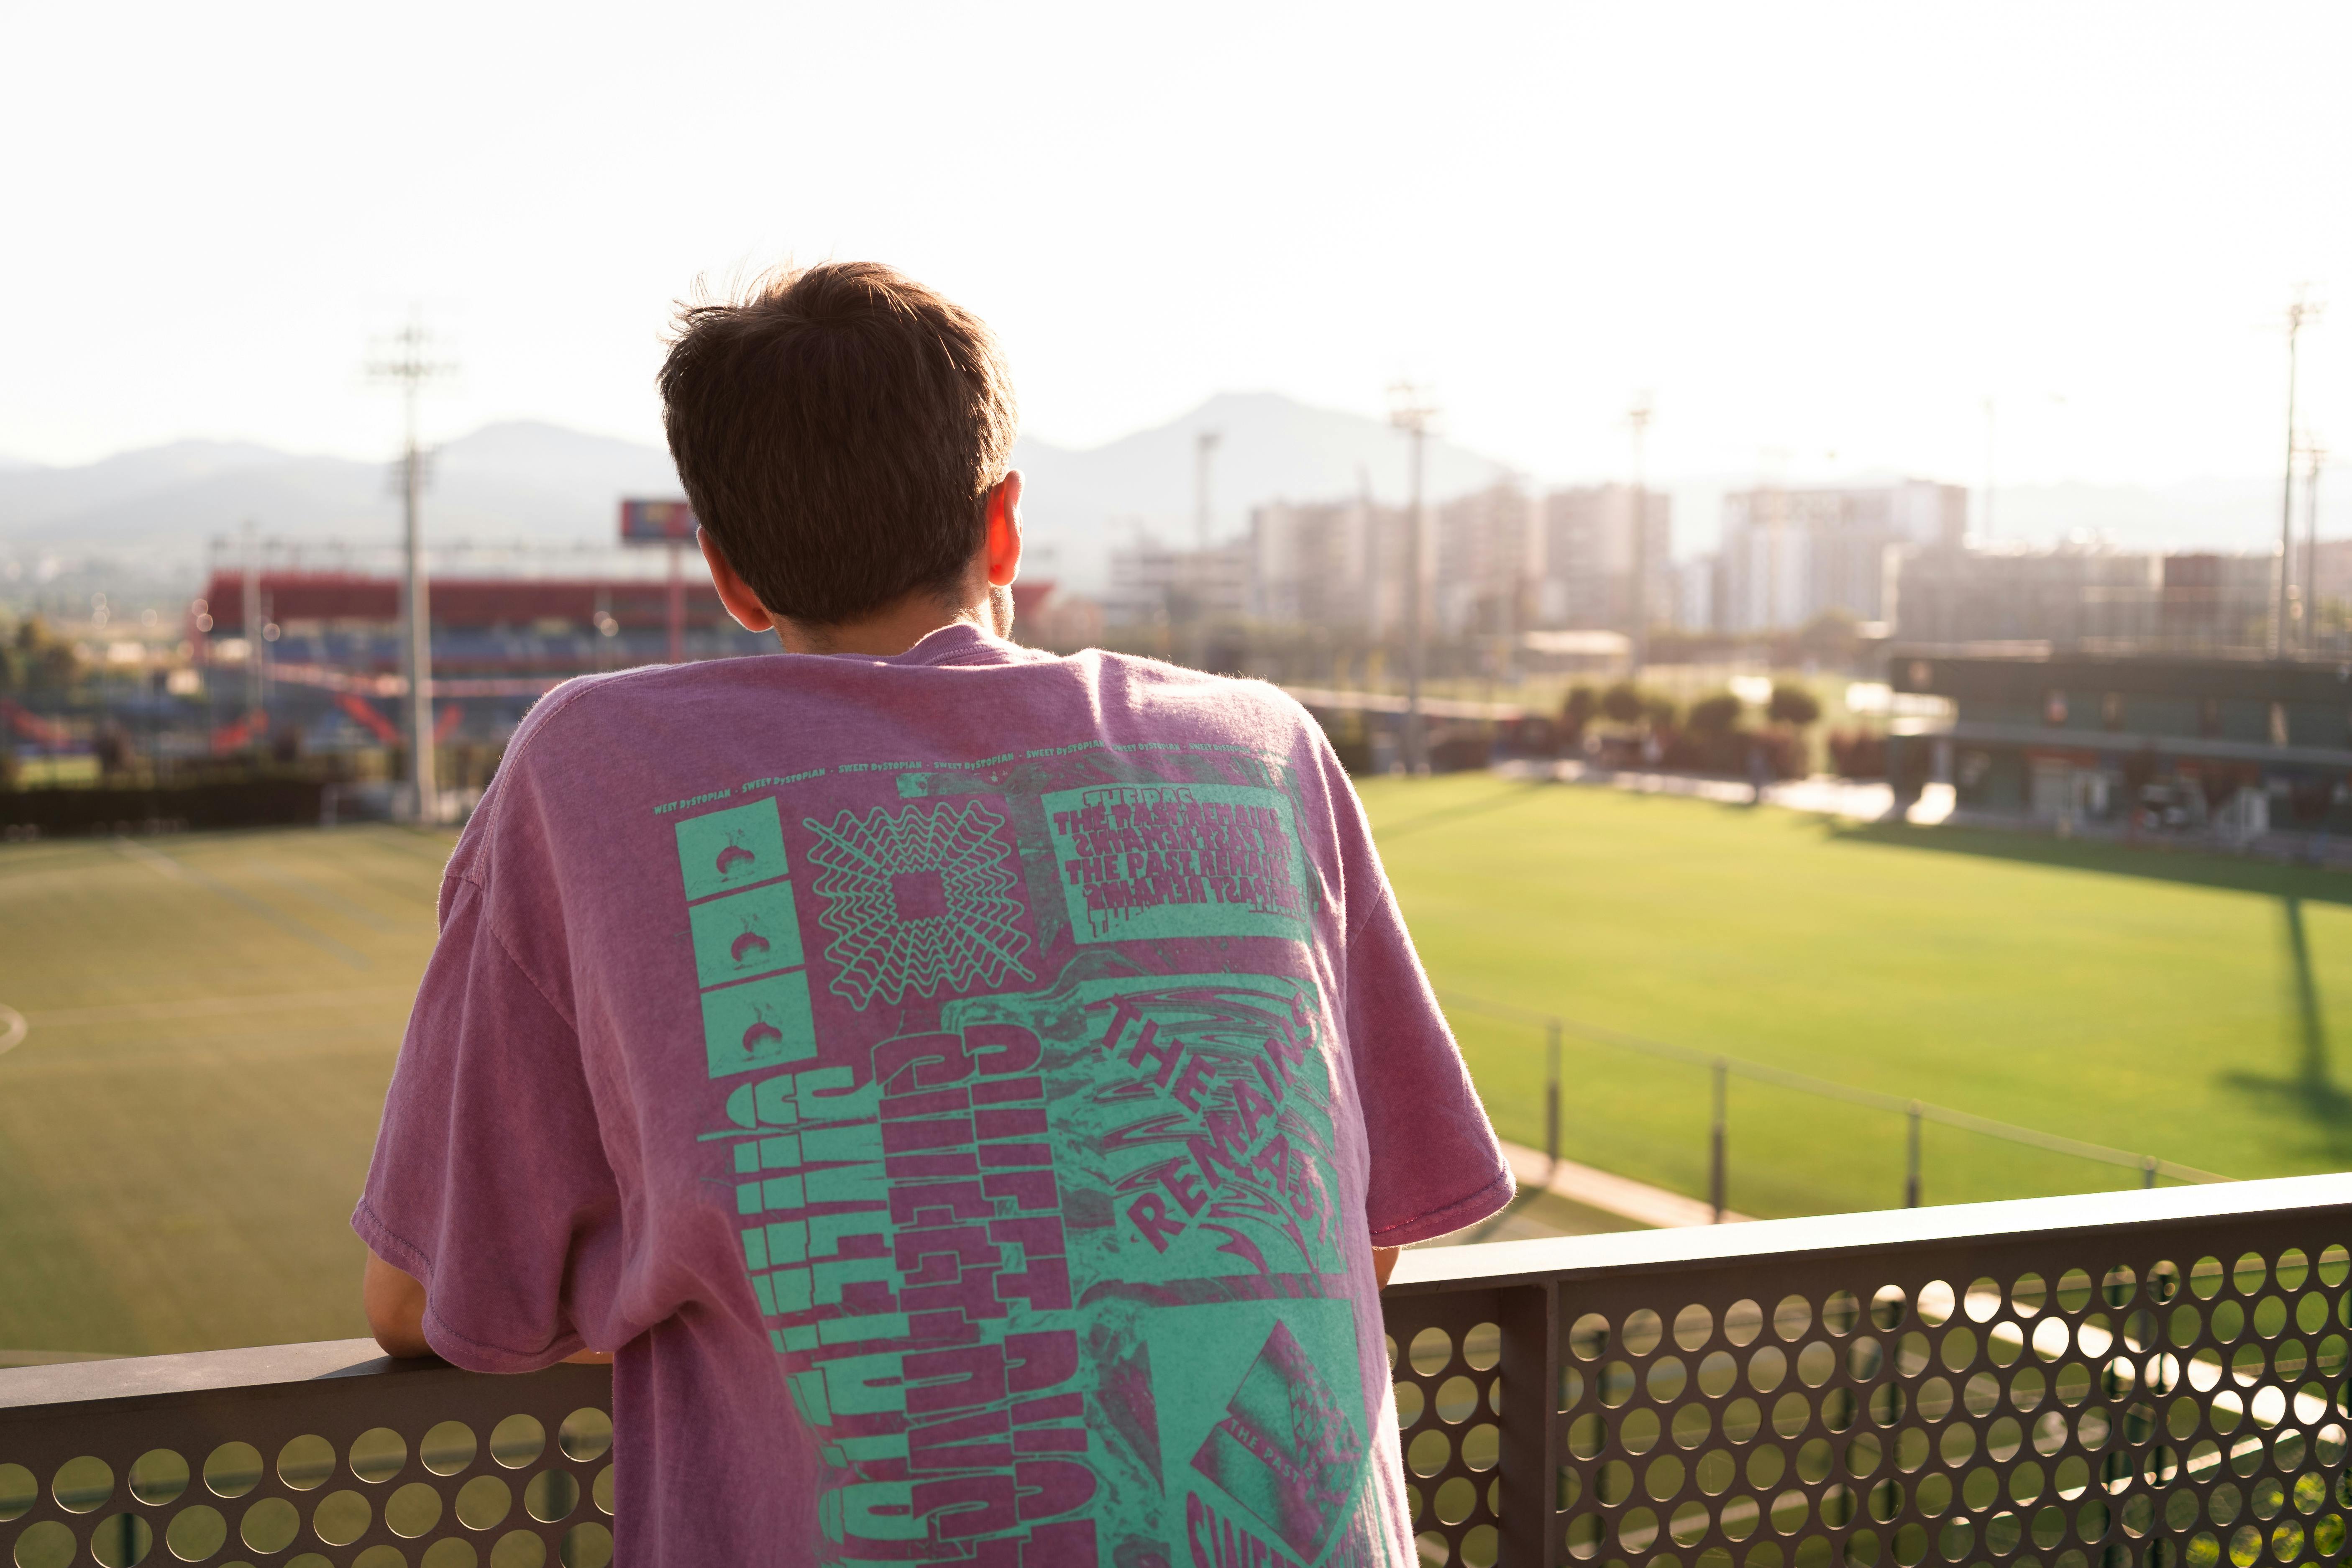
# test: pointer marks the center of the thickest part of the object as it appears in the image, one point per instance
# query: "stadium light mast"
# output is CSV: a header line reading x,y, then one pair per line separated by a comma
x,y
408,367
2302,311
1411,411
2315,458
1637,420
1204,448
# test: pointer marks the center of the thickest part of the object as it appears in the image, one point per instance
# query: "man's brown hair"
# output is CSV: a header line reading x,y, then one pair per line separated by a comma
x,y
838,430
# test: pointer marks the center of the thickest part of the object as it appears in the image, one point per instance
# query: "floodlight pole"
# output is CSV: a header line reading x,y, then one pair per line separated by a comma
x,y
409,367
2298,313
1411,412
1637,645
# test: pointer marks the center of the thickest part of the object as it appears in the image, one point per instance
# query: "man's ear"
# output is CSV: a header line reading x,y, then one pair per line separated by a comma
x,y
1004,531
733,591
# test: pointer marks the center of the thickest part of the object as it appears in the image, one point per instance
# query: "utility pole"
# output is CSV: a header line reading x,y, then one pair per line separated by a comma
x,y
2315,458
251,616
1411,411
408,366
2299,312
1205,447
1637,419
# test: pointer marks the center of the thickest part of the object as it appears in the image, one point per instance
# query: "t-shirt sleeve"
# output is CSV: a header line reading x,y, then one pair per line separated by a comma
x,y
1435,1165
490,1184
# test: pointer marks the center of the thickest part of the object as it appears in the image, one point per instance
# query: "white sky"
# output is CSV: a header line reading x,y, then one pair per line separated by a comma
x,y
1810,230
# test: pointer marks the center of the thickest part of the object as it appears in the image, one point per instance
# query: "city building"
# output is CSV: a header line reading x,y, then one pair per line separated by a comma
x,y
2232,748
1154,583
1330,564
1586,555
1789,555
1487,562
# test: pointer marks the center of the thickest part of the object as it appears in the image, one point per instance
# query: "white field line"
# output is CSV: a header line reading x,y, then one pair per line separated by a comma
x,y
1620,1196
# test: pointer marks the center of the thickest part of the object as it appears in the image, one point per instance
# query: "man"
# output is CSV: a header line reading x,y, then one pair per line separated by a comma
x,y
973,1096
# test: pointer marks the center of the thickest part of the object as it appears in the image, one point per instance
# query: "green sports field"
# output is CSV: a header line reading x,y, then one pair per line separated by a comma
x,y
211,1020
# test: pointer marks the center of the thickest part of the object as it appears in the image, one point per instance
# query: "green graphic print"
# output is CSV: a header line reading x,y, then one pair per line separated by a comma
x,y
1052,1264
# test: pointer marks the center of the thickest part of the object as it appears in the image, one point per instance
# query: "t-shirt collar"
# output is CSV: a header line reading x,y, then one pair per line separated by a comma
x,y
958,642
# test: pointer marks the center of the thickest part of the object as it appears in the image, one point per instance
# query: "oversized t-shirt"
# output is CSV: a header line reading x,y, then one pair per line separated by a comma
x,y
964,1088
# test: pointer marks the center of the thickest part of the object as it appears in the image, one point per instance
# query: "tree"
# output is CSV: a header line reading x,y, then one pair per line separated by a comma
x,y
1622,703
1659,709
1716,715
1576,712
1793,706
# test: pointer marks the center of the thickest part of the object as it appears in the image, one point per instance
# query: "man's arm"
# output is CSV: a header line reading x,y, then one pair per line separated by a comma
x,y
1383,1264
395,1313
396,1309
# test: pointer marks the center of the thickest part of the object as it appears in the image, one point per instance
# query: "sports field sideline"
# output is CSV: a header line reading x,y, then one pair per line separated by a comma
x,y
211,1019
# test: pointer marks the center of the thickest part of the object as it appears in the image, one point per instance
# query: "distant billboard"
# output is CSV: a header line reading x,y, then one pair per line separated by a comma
x,y
656,522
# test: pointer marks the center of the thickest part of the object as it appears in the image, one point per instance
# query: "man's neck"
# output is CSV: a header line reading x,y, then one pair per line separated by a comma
x,y
892,631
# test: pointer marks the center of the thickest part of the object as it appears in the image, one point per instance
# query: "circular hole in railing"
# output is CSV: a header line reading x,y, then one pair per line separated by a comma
x,y
195,1533
82,1485
483,1502
1613,1483
450,1552
1864,1453
1792,1317
1766,1368
449,1447
1815,1363
1741,1420
2029,1295
2335,1264
1937,1303
2073,1290
1738,1516
2228,1320
1981,1393
1457,1397
341,1518
585,1546
602,1492
1981,1300
1667,1379
1588,1337
233,1469
1429,1452
2270,1317
306,1462
2293,1269
1586,1435
2119,1286
19,1490
518,1441
1638,1530
1791,1413
120,1540
1840,1313
1718,1373
1643,1331
1616,1384
1692,1425
1638,1432
1482,1446
413,1510
1571,1386
518,1549
1482,1347
158,1477
585,1436
1888,1404
552,1495
2250,1273
1935,1400
1409,1403
2311,1312
1431,1348
1765,1466
1888,1305
1694,1326
269,1525
1433,1549
1455,1500
1742,1322
47,1544
1715,1472
378,1454
1815,1460
1481,1545
1959,1349
1583,1536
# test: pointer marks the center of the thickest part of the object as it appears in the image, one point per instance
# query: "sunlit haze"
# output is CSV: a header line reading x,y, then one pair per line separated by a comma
x,y
1822,237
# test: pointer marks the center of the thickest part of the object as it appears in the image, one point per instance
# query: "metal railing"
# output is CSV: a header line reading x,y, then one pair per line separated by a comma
x,y
2123,1379
1722,1068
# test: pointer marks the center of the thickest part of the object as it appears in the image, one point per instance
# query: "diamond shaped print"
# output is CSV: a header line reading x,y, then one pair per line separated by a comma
x,y
1285,1450
917,900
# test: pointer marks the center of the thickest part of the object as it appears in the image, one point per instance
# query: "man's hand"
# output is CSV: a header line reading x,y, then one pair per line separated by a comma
x,y
1384,1264
396,1309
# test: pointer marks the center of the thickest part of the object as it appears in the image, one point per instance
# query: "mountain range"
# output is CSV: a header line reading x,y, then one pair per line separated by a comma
x,y
551,486
155,509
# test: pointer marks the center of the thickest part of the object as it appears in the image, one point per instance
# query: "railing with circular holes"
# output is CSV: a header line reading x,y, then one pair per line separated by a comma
x,y
2126,1380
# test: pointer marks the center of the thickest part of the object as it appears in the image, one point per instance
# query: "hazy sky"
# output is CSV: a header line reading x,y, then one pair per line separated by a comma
x,y
1809,229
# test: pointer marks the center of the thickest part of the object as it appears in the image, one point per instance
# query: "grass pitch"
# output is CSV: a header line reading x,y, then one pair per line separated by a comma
x,y
212,1019
2167,1004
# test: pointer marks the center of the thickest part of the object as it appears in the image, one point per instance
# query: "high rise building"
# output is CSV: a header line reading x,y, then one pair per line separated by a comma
x,y
1790,555
1330,564
1487,562
1585,545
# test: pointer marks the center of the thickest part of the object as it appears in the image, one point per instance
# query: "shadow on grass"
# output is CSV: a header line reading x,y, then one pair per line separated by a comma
x,y
1484,804
2307,1091
2222,872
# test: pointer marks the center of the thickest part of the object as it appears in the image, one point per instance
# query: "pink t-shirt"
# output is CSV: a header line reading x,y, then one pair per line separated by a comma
x,y
965,1087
